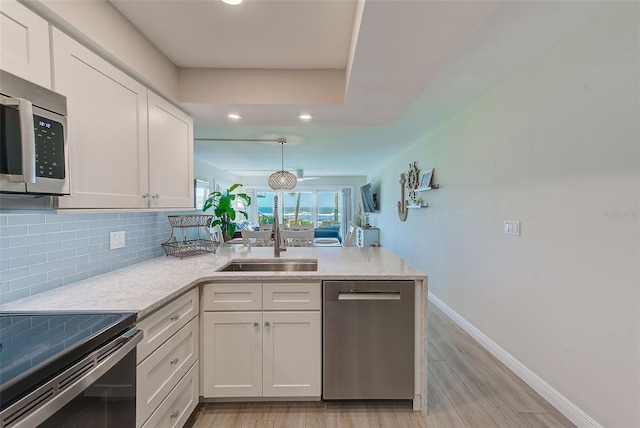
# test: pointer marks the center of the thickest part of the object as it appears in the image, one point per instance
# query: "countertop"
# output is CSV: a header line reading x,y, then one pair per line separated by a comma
x,y
145,287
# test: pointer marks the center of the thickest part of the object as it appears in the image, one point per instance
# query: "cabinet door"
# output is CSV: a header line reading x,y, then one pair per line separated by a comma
x,y
24,43
107,123
232,354
292,354
170,155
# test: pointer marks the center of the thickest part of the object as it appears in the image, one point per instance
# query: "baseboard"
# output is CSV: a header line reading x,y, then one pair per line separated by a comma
x,y
557,400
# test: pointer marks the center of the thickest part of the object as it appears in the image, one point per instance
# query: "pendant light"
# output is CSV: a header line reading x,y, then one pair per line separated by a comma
x,y
282,180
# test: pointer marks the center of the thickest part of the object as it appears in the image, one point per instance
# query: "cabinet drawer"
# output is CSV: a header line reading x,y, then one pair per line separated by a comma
x,y
164,323
240,296
177,407
161,371
292,296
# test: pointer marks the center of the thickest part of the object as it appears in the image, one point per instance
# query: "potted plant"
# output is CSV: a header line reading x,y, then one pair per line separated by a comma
x,y
224,211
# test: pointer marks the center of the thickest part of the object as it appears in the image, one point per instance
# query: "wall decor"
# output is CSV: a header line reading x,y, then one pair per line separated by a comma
x,y
402,203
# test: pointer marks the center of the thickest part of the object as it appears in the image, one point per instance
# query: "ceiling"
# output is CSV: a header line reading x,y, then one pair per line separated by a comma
x,y
376,75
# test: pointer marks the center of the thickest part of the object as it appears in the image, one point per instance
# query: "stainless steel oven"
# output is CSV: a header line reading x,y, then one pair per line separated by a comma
x,y
34,158
68,370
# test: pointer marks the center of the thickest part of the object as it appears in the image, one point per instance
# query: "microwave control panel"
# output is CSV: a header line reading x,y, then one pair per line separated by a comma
x,y
49,148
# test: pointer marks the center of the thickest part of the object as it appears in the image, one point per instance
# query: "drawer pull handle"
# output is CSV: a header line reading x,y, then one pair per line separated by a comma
x,y
174,361
266,324
175,414
256,324
175,317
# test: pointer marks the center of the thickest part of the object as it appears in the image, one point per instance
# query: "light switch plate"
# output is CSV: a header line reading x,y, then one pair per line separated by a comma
x,y
512,228
116,240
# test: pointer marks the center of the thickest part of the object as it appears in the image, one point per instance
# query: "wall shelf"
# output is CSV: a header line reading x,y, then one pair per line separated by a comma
x,y
424,189
425,205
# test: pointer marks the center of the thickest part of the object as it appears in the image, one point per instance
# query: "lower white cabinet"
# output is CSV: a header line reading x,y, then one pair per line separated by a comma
x,y
175,410
167,373
262,353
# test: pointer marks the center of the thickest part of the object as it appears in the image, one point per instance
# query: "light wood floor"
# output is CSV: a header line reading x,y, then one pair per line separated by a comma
x,y
467,387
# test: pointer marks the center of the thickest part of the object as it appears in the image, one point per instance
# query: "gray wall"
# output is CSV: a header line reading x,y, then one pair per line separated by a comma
x,y
555,146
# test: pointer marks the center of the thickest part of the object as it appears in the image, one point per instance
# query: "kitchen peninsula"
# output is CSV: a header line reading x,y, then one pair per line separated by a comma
x,y
155,288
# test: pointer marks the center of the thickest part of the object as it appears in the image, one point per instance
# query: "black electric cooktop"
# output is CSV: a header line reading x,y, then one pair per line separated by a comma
x,y
38,345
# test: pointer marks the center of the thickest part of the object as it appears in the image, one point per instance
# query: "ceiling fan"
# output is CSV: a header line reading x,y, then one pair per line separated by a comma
x,y
300,176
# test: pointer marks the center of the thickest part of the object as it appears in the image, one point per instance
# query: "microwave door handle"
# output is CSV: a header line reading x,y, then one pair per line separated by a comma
x,y
28,138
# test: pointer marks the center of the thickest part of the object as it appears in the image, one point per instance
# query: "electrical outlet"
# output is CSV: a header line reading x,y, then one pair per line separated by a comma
x,y
512,228
116,240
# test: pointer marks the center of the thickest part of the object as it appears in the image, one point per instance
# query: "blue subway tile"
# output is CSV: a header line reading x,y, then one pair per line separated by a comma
x,y
120,265
97,224
58,255
46,286
75,278
45,267
22,241
27,261
28,281
3,219
74,261
88,267
15,252
7,231
100,239
119,222
75,243
11,274
87,233
60,236
44,228
100,271
76,225
109,216
4,287
19,219
45,248
88,250
60,218
14,295
61,273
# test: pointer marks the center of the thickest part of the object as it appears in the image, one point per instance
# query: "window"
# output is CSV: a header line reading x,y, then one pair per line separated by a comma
x,y
322,208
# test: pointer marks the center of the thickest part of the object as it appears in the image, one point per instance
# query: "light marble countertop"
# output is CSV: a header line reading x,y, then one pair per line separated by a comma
x,y
145,287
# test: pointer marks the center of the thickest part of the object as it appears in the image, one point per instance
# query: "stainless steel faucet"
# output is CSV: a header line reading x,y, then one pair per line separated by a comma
x,y
276,229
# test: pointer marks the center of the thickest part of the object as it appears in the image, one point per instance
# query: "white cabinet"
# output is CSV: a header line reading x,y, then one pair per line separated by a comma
x,y
269,349
24,43
167,374
366,236
232,354
128,147
170,155
107,123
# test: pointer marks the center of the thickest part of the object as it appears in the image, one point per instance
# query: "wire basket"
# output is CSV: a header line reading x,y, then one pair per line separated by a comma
x,y
191,220
189,248
186,246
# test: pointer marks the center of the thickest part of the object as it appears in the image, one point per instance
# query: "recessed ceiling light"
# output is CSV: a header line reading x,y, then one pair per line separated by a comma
x,y
234,116
305,116
232,2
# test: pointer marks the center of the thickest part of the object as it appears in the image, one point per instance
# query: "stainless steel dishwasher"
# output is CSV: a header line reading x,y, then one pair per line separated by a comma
x,y
368,340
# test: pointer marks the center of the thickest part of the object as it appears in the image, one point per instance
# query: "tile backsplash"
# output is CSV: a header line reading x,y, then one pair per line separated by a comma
x,y
41,251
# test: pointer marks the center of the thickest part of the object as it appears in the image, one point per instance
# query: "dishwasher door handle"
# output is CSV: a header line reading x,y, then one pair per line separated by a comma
x,y
355,294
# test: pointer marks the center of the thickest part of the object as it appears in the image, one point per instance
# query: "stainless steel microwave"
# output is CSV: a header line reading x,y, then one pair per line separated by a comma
x,y
34,157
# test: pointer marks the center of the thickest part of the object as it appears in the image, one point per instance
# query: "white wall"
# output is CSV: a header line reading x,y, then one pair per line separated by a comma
x,y
555,146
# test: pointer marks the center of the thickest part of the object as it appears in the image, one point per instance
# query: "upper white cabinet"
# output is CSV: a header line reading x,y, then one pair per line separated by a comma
x,y
24,43
107,123
128,147
170,155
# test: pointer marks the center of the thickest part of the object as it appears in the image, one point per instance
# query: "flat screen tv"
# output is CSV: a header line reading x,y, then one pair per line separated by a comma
x,y
368,202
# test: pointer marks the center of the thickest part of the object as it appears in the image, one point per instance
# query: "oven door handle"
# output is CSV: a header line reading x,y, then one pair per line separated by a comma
x,y
27,139
42,403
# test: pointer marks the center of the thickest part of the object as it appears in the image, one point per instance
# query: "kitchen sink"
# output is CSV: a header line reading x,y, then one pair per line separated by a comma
x,y
272,265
